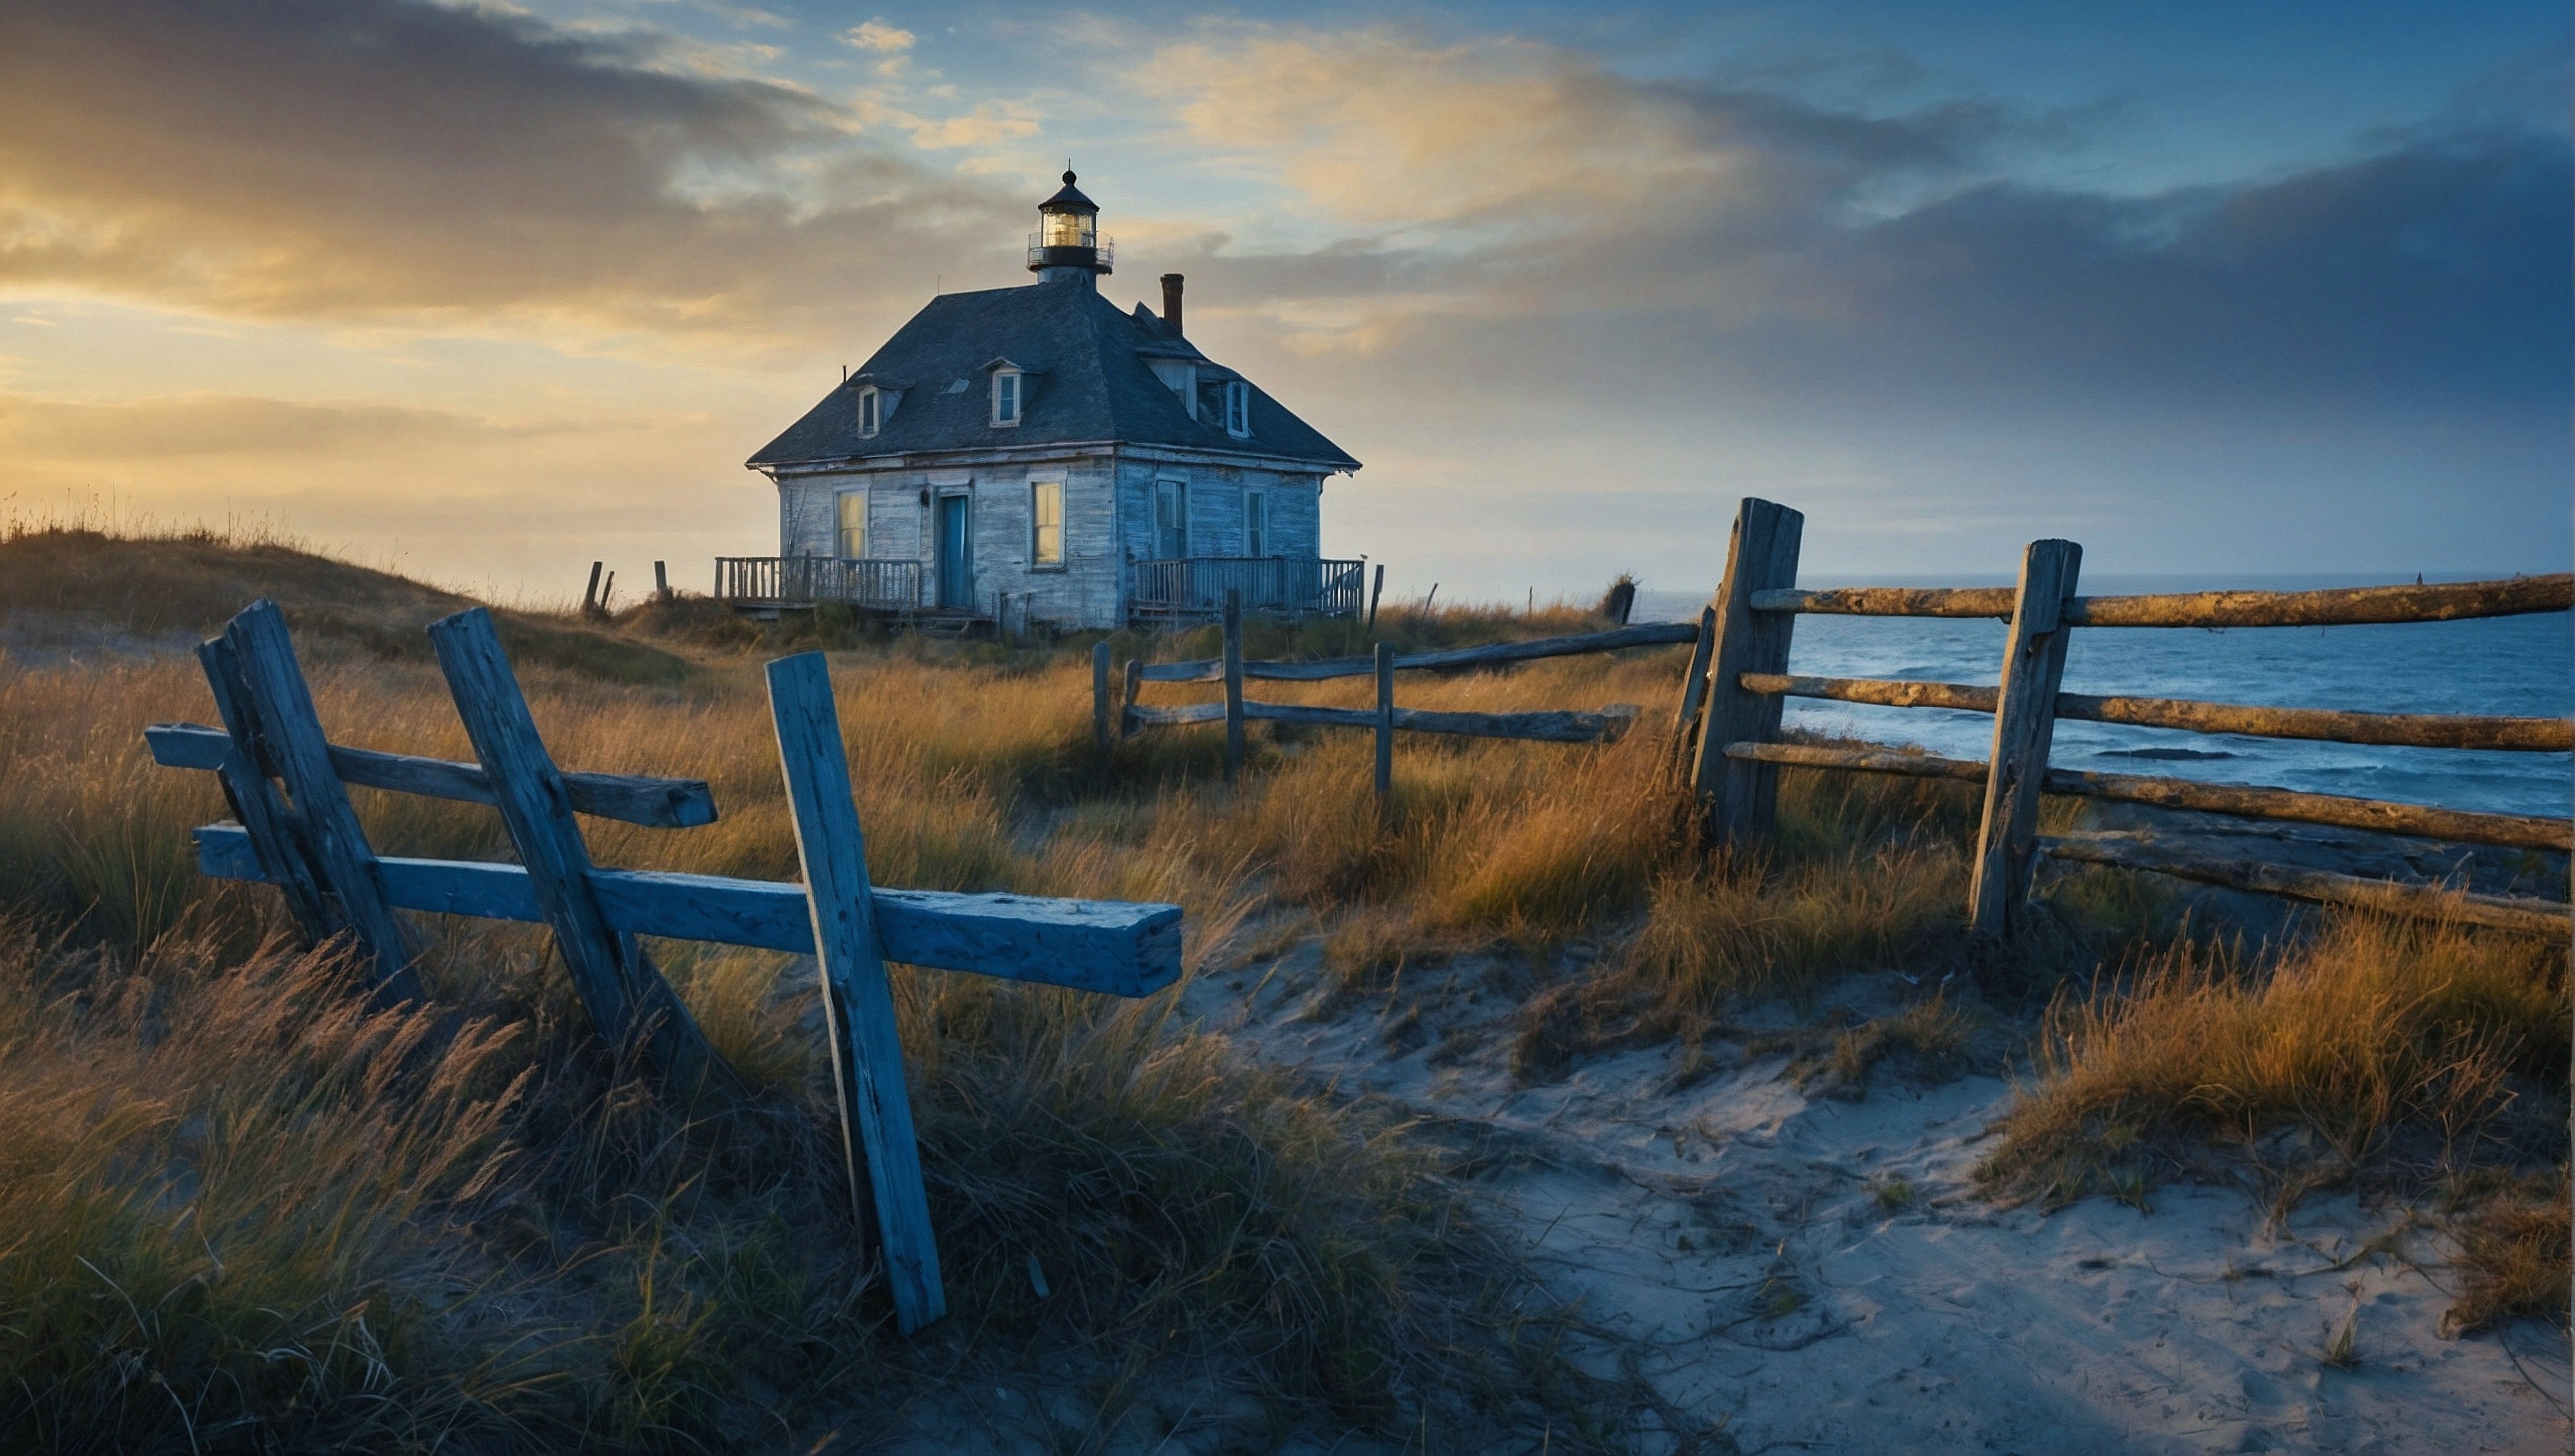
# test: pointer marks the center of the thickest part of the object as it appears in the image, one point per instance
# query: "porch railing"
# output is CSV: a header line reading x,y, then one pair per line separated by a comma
x,y
809,580
1295,586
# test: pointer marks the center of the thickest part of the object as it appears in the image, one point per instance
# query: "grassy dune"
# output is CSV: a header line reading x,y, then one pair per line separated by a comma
x,y
237,1214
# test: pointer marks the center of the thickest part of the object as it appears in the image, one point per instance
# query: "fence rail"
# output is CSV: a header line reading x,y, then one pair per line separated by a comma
x,y
811,581
1738,751
1289,586
308,841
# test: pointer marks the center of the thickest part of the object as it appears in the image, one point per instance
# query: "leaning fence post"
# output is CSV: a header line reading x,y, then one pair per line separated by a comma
x,y
878,1142
1738,799
265,657
1100,695
1375,593
2024,723
1384,722
617,982
276,836
1233,684
1695,686
1135,684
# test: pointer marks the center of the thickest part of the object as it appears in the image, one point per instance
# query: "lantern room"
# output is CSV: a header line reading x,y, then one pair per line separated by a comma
x,y
1066,244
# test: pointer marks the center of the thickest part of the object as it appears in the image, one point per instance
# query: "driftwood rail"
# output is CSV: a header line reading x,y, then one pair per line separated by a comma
x,y
295,830
1734,742
1385,720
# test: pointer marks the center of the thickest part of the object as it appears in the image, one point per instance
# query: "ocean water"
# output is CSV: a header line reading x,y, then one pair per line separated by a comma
x,y
2521,665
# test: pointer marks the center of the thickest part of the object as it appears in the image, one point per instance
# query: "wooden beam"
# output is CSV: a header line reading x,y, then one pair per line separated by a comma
x,y
1127,719
269,824
1695,686
1738,799
1384,724
1100,695
622,992
2351,606
1233,684
668,804
2415,730
2519,832
1111,946
291,733
882,1151
2025,727
1492,654
2387,896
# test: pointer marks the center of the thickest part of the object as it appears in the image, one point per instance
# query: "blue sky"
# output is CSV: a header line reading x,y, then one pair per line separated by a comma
x,y
487,291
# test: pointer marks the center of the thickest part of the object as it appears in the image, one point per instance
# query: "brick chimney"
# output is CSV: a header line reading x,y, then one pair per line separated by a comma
x,y
1172,301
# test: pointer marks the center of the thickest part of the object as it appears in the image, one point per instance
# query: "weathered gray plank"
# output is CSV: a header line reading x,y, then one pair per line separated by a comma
x,y
1233,684
1384,722
2416,730
2349,606
668,804
1737,799
1127,721
2388,896
1111,946
2519,832
2025,727
883,1152
1100,695
1186,712
1646,635
291,733
269,824
622,992
1695,686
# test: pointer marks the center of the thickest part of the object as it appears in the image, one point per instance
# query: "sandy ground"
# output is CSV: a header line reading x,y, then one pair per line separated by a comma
x,y
1753,1239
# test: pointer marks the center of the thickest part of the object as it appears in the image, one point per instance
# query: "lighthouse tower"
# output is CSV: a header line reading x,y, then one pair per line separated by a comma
x,y
1067,247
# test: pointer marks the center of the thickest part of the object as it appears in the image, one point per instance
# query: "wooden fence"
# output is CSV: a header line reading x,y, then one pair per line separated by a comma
x,y
1738,751
306,840
809,580
1385,720
1187,587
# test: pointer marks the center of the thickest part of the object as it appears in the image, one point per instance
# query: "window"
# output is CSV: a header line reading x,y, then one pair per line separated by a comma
x,y
1181,377
871,410
1045,523
854,525
1005,397
1171,520
1256,523
1238,409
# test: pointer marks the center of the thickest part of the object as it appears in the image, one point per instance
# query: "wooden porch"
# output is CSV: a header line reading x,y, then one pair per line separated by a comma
x,y
1189,588
769,585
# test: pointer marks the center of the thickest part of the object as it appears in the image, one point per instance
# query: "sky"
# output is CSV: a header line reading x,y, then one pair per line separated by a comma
x,y
485,292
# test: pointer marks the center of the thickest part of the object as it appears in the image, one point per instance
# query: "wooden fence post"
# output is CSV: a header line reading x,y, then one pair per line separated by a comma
x,y
661,581
618,984
276,837
1695,686
876,1137
1384,724
1737,799
1233,684
1375,593
1100,695
1135,684
589,594
2024,723
292,734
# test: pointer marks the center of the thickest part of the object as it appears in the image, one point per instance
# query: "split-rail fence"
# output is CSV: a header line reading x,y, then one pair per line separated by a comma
x,y
295,829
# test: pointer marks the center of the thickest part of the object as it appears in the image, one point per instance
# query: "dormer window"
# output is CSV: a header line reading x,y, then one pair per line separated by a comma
x,y
1238,409
871,412
1005,397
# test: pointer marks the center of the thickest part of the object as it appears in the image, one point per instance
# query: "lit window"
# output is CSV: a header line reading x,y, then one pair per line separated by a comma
x,y
871,408
1256,523
1045,523
854,525
1171,520
1238,409
1005,397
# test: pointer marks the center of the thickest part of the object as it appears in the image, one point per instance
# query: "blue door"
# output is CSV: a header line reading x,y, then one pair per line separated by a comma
x,y
955,554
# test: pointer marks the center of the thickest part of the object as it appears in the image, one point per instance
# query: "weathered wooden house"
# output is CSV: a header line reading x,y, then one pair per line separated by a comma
x,y
1038,452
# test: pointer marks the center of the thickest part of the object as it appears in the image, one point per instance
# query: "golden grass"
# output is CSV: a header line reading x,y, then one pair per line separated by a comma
x,y
2368,1033
2514,1258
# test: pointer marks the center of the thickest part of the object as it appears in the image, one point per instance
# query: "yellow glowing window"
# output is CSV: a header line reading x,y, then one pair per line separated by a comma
x,y
854,525
1046,518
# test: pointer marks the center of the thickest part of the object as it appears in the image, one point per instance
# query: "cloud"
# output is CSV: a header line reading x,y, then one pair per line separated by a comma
x,y
96,434
875,35
383,160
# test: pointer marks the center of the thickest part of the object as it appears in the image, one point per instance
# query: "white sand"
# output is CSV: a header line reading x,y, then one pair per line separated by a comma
x,y
1734,1229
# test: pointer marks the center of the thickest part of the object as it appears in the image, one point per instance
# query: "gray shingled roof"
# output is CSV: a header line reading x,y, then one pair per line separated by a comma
x,y
1088,382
